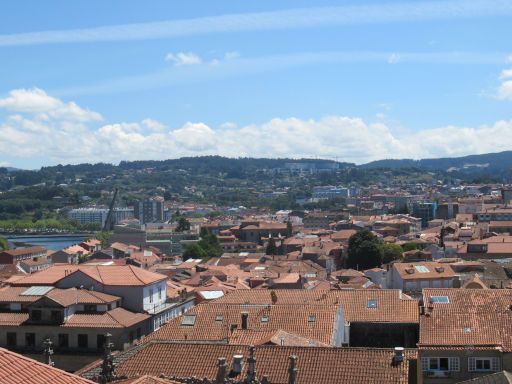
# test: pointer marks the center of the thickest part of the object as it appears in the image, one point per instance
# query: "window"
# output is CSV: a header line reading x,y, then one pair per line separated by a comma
x,y
188,320
159,293
36,314
482,364
421,269
56,316
139,333
151,295
11,339
30,339
264,319
89,308
372,303
439,299
63,340
311,318
219,318
83,341
440,363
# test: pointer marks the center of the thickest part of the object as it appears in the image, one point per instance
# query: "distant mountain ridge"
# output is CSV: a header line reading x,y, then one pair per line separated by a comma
x,y
489,162
492,162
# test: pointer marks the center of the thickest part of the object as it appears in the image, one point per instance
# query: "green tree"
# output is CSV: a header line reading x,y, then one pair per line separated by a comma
x,y
3,244
364,251
271,247
104,237
210,245
390,252
194,251
410,247
183,225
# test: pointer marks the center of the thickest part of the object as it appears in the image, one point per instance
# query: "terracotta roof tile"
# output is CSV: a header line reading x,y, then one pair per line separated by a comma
x,y
106,274
116,318
479,317
315,365
392,305
18,369
214,322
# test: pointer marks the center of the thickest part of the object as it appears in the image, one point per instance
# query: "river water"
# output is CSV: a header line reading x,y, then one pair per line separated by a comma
x,y
54,243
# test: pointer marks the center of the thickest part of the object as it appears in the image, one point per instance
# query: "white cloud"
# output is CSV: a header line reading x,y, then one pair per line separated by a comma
x,y
504,91
369,13
154,125
195,137
394,58
36,101
66,140
183,58
220,68
231,55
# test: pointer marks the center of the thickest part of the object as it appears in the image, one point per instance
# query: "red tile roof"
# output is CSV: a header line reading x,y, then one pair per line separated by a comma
x,y
315,365
392,305
116,318
479,317
64,297
121,275
18,369
24,251
214,322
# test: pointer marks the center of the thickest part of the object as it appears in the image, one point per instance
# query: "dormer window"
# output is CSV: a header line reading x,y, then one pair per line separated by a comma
x,y
36,315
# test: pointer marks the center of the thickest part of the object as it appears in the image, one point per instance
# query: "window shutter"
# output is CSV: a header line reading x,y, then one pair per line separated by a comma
x,y
454,364
424,363
472,364
495,364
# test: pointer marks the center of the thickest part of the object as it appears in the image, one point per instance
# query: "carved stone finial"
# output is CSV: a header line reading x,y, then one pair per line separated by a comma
x,y
48,352
108,369
292,370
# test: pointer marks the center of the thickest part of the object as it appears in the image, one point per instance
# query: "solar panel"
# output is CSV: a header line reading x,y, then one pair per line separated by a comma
x,y
37,291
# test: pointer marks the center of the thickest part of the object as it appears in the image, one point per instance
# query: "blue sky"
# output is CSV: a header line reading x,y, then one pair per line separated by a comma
x,y
96,81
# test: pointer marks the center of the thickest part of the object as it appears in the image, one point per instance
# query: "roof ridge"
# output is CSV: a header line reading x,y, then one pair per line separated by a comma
x,y
136,275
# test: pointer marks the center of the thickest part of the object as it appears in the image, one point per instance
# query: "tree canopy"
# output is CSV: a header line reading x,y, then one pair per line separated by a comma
x,y
271,247
364,251
391,252
183,225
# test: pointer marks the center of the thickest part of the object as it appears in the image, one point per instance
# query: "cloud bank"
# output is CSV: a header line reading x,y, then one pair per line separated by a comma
x,y
41,125
274,20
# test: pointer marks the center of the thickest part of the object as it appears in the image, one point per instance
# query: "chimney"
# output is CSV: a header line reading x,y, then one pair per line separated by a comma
x,y
399,355
221,370
238,364
245,320
251,361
